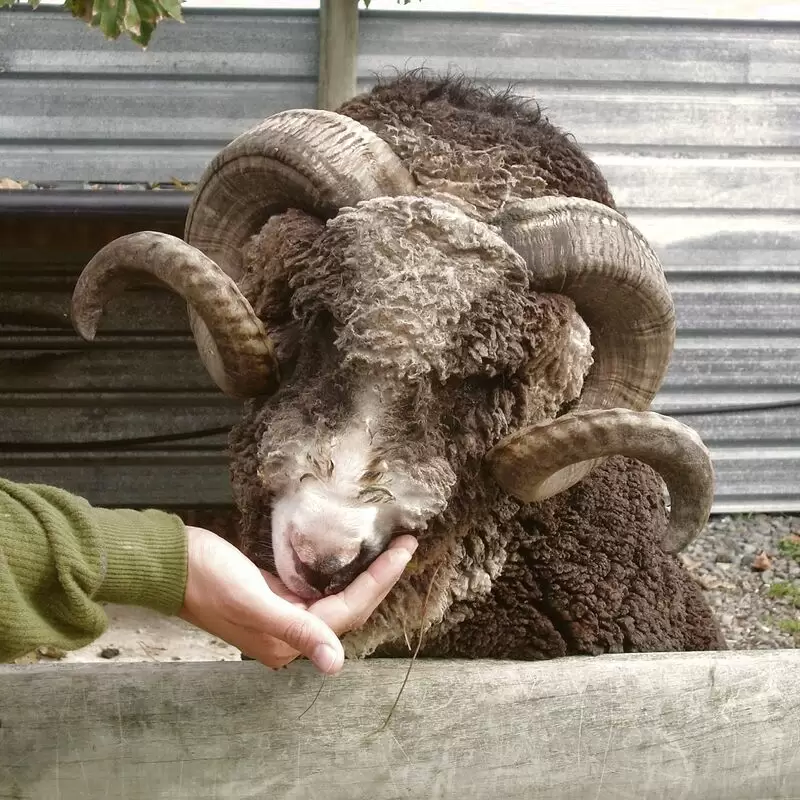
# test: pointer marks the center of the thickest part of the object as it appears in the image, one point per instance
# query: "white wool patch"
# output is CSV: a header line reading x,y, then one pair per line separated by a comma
x,y
320,512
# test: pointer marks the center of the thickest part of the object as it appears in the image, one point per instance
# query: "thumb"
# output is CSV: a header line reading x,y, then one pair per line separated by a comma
x,y
297,631
226,594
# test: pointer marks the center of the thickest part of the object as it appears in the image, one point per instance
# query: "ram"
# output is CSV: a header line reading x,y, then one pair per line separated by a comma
x,y
438,322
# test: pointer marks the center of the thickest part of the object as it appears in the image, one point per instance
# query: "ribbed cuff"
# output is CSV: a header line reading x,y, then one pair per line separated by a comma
x,y
145,559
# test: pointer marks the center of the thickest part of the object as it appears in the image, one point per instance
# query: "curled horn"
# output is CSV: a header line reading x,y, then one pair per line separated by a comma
x,y
314,160
592,254
524,461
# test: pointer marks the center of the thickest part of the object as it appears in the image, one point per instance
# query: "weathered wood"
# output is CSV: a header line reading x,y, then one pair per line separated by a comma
x,y
338,52
694,726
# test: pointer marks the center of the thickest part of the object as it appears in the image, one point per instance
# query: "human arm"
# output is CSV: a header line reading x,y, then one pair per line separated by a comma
x,y
62,558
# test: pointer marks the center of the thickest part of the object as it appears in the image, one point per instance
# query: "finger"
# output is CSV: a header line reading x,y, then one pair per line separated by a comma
x,y
355,603
381,576
360,598
228,596
269,617
268,650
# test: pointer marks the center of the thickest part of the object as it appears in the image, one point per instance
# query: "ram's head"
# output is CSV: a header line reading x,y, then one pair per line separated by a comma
x,y
396,351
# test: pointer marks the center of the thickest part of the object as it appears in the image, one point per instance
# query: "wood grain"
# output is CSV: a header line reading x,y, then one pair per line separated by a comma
x,y
338,52
691,726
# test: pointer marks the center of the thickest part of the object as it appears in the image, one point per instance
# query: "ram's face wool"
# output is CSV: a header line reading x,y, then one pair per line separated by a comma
x,y
439,323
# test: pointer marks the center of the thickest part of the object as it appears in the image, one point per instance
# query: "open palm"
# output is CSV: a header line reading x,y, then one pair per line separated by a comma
x,y
230,597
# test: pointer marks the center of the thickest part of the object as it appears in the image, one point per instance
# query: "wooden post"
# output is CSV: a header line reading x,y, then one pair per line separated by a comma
x,y
338,52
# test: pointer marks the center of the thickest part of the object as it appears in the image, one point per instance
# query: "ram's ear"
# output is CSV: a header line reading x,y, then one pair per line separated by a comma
x,y
559,350
271,258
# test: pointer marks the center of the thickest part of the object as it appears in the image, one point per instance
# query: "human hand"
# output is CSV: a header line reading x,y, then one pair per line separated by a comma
x,y
228,596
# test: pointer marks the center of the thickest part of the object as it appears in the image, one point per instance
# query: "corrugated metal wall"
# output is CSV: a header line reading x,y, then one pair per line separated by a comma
x,y
696,125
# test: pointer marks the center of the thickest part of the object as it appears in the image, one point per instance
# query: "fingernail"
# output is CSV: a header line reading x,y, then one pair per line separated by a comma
x,y
325,658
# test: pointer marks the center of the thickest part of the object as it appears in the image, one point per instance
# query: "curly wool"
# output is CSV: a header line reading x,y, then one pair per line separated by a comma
x,y
417,290
476,147
578,574
525,353
271,259
582,576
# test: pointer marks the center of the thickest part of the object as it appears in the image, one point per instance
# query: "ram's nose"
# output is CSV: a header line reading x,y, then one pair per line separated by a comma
x,y
328,572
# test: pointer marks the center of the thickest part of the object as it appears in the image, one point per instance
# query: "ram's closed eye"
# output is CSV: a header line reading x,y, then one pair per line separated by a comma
x,y
375,494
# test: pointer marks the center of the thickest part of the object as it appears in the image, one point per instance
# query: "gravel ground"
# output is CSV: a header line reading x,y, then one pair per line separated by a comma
x,y
749,568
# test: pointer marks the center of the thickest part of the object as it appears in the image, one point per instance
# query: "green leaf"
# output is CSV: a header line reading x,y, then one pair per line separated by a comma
x,y
82,9
143,38
136,18
172,8
132,20
109,13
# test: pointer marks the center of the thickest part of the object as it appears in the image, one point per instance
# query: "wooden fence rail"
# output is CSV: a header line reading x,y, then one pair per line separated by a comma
x,y
709,726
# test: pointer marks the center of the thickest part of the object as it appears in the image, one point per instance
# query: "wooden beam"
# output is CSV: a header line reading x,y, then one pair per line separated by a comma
x,y
710,726
338,52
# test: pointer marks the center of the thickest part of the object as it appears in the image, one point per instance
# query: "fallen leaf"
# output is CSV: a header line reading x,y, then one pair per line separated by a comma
x,y
48,651
761,562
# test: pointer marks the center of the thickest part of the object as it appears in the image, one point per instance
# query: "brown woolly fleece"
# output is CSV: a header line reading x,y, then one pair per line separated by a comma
x,y
481,146
584,576
581,573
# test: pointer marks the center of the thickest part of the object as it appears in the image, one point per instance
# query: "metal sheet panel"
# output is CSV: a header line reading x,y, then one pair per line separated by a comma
x,y
695,125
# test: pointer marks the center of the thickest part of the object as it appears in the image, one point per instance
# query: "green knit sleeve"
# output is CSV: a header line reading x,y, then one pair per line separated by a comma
x,y
62,558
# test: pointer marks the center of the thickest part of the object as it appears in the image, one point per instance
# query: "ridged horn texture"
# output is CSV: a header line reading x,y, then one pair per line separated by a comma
x,y
233,344
522,462
592,254
314,160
